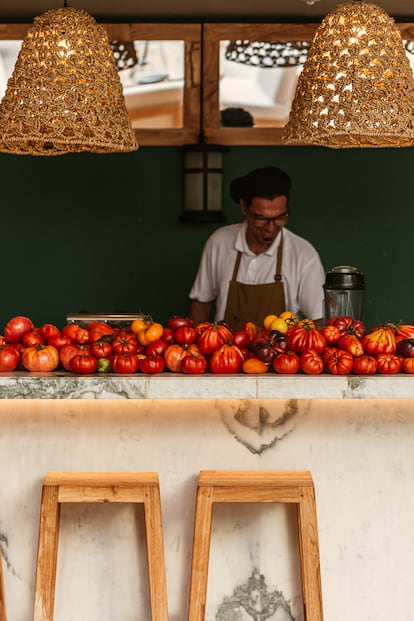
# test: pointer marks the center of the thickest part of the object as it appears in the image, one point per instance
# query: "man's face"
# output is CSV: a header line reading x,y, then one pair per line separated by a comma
x,y
265,217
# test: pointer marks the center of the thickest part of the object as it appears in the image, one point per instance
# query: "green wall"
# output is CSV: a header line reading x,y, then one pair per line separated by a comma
x,y
102,233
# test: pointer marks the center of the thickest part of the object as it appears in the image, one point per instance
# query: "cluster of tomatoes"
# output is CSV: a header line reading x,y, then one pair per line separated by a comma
x,y
282,345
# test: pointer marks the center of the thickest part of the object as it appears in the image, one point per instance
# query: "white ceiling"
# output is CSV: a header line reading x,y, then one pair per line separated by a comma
x,y
233,10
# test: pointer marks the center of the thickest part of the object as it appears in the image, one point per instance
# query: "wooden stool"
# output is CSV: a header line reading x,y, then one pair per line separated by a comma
x,y
250,486
2,599
131,487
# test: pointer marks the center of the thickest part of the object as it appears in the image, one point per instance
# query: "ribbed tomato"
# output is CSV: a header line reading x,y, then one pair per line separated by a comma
x,y
40,358
380,341
338,362
302,338
226,359
365,365
213,336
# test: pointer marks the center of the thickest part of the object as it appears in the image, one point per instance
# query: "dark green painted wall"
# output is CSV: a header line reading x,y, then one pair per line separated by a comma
x,y
102,232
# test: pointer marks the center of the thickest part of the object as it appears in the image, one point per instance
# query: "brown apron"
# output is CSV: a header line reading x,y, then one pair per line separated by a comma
x,y
253,302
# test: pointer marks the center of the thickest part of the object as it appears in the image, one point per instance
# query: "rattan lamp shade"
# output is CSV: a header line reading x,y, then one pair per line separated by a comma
x,y
356,88
65,94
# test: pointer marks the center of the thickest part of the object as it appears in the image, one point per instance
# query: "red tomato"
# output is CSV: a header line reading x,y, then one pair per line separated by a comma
x,y
351,344
16,327
240,338
365,365
47,330
389,363
404,331
185,335
348,325
305,337
76,333
40,358
405,348
68,351
175,322
59,341
101,349
338,362
83,363
9,357
98,330
168,336
152,364
380,341
213,337
156,348
226,359
311,363
286,363
193,364
331,334
32,339
125,343
173,356
125,363
2,340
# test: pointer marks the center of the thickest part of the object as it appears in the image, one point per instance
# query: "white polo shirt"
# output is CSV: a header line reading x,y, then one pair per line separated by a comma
x,y
302,271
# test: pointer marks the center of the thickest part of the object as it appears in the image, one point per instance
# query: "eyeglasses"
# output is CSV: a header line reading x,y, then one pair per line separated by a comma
x,y
260,222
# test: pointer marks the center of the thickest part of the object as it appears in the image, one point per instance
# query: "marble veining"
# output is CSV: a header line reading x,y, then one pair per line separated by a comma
x,y
254,601
61,385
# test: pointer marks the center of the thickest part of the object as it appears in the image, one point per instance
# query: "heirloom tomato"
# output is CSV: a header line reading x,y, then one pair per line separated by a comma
x,y
59,341
213,337
193,363
125,343
290,318
380,340
405,348
252,329
264,350
16,327
254,365
175,322
311,362
268,320
40,358
32,338
152,364
185,335
305,337
278,339
83,363
389,363
306,323
226,359
286,363
9,357
104,365
365,365
101,349
47,330
348,325
408,365
124,363
152,332
338,362
351,344
240,338
139,324
98,330
2,340
173,356
76,333
168,336
157,347
68,351
331,334
404,331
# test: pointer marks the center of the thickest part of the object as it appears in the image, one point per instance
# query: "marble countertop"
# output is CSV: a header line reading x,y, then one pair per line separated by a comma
x,y
61,385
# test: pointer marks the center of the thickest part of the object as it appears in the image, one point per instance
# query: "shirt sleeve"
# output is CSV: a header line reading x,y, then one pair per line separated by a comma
x,y
204,288
310,292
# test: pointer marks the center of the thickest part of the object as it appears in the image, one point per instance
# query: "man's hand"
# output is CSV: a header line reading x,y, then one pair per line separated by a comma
x,y
200,311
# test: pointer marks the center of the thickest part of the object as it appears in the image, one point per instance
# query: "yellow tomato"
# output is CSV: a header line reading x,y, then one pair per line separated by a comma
x,y
279,324
268,320
289,317
306,323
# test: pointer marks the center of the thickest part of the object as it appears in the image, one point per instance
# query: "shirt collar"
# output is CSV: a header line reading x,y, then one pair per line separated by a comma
x,y
241,244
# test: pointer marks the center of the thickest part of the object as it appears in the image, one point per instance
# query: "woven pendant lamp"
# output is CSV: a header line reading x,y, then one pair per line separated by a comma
x,y
356,88
65,94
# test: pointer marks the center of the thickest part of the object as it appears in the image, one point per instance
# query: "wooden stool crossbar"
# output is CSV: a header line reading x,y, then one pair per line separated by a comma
x,y
257,486
90,487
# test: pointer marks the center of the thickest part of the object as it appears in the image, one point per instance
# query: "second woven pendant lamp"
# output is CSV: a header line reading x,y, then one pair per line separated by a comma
x,y
65,94
356,88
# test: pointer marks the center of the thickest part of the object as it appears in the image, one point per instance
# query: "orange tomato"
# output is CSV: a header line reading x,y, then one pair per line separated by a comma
x,y
254,365
137,325
306,323
267,321
152,332
289,317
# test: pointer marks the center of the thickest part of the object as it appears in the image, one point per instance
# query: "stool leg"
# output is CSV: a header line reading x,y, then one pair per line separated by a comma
x,y
201,553
2,599
309,554
155,553
47,554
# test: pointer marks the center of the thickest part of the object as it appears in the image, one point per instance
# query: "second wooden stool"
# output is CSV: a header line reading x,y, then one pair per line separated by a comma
x,y
257,486
80,487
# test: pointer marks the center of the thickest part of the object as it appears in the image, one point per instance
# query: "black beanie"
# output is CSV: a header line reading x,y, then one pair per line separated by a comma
x,y
264,182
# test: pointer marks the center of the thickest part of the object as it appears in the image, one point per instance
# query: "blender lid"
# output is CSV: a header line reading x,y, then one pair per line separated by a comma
x,y
344,277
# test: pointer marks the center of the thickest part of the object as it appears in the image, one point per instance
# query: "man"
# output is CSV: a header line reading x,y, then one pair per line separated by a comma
x,y
258,267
